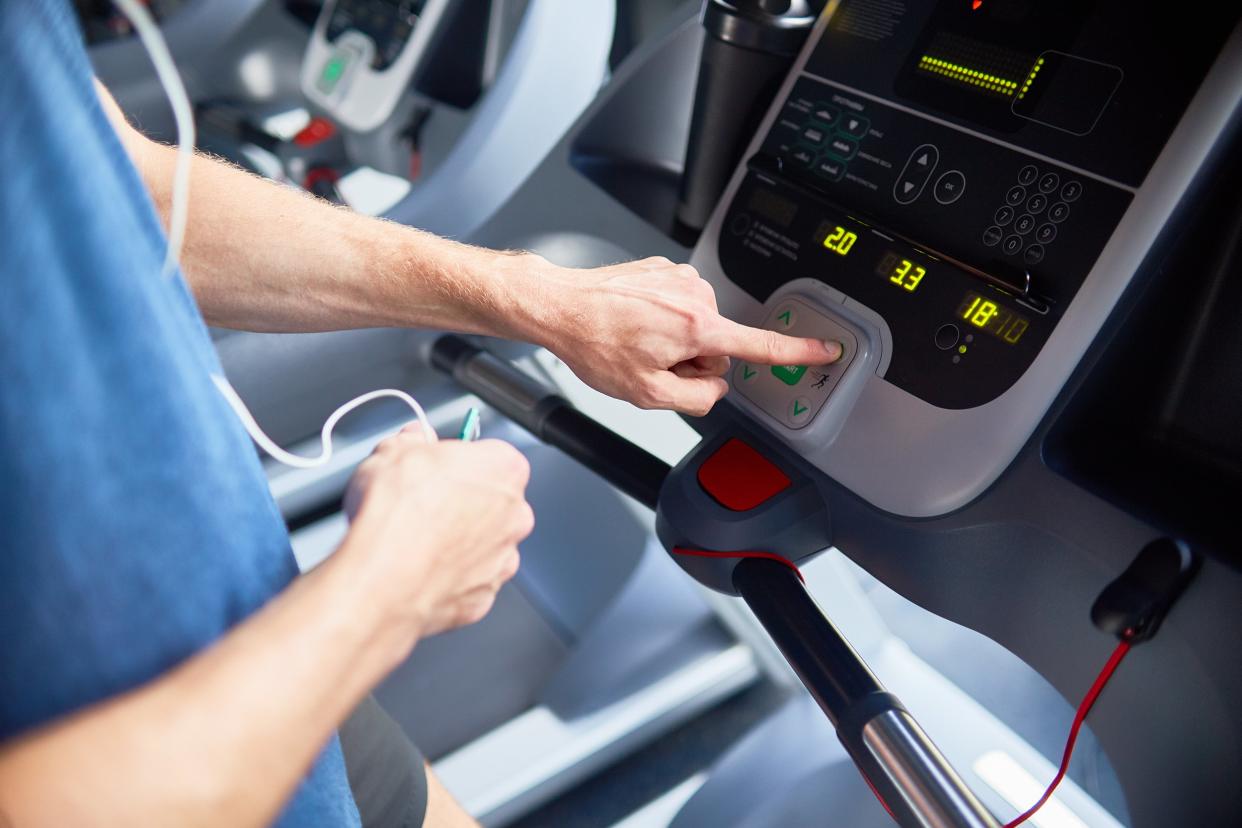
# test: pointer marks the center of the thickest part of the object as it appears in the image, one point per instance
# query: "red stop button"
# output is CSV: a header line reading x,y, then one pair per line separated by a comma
x,y
740,478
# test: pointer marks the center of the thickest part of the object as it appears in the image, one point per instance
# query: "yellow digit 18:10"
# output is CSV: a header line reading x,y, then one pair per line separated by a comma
x,y
907,274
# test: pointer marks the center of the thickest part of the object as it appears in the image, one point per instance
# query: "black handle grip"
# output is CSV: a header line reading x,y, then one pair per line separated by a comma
x,y
903,767
551,418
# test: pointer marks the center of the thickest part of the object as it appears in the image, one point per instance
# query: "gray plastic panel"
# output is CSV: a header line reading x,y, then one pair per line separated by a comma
x,y
645,112
948,458
828,408
559,46
363,98
460,685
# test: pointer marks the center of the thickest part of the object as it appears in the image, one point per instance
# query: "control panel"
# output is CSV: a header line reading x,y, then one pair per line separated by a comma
x,y
972,182
363,54
923,187
794,394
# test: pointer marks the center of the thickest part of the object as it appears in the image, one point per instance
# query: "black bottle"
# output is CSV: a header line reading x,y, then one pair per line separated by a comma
x,y
748,49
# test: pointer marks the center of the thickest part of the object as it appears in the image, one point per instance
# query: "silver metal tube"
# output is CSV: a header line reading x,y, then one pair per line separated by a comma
x,y
519,397
932,790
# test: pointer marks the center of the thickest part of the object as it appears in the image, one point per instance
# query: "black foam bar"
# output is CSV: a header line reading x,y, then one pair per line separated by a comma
x,y
832,671
551,418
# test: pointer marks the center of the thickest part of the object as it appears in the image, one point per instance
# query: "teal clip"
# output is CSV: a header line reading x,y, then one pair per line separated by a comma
x,y
470,425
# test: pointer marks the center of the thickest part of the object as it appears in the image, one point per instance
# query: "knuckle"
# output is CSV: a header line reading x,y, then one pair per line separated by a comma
x,y
771,345
686,271
477,608
526,520
697,321
512,564
517,464
651,397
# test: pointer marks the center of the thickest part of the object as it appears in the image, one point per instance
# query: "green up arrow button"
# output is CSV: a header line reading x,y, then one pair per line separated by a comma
x,y
786,317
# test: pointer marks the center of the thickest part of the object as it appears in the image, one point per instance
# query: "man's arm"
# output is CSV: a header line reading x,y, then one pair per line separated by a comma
x,y
225,738
265,257
222,740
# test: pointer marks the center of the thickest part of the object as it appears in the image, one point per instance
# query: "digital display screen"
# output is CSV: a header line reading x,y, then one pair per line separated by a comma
x,y
987,315
901,271
775,208
840,241
993,61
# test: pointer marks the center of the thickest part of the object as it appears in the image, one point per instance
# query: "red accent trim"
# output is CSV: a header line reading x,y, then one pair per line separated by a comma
x,y
315,132
316,174
887,809
771,556
740,478
1083,709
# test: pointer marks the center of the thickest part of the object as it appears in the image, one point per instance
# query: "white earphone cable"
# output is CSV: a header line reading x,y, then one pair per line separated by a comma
x,y
325,435
183,114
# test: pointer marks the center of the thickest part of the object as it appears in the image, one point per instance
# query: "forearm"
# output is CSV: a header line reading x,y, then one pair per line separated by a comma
x,y
221,740
261,256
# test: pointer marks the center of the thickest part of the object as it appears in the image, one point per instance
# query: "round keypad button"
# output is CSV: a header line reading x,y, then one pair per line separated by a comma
x,y
947,336
1003,216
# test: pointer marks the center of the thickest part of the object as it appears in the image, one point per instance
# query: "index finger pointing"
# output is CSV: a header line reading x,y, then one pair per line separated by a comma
x,y
768,347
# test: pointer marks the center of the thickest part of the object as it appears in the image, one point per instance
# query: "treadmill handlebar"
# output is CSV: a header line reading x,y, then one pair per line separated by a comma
x,y
551,418
901,764
898,760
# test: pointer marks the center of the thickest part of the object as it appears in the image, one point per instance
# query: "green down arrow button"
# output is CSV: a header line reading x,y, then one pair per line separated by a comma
x,y
798,408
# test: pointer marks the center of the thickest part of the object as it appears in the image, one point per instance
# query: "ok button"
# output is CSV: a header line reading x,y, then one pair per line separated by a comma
x,y
949,187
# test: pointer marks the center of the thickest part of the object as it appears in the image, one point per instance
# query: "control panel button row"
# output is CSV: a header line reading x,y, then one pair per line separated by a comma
x,y
914,175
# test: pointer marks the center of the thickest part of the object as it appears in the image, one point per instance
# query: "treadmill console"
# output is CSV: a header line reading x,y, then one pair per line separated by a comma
x,y
967,185
364,53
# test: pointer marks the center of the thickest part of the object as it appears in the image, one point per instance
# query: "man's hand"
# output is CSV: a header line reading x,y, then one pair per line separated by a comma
x,y
436,528
649,332
263,257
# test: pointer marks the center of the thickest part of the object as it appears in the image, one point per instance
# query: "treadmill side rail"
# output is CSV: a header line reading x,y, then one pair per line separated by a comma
x,y
928,784
901,764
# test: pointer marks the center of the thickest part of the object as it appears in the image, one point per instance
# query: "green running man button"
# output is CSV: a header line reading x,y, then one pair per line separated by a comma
x,y
789,374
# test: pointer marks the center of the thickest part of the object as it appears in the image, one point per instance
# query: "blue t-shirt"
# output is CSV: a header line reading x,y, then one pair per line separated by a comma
x,y
136,526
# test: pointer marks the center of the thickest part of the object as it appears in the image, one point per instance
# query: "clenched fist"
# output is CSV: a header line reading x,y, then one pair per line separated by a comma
x,y
436,526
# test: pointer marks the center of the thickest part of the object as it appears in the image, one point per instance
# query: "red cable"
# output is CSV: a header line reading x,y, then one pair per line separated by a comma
x,y
771,556
1083,709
